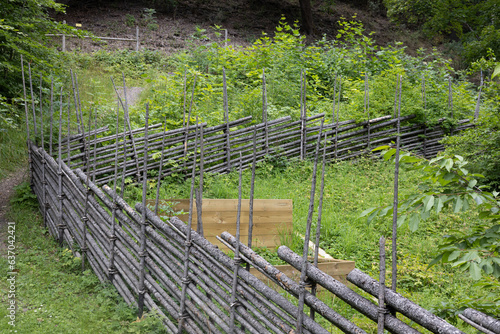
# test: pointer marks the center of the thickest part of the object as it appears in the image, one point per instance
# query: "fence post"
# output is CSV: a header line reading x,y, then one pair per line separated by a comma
x,y
64,39
27,123
396,188
225,37
137,45
382,310
226,118
143,252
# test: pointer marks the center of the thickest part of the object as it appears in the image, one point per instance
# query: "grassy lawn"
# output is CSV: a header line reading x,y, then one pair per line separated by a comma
x,y
351,187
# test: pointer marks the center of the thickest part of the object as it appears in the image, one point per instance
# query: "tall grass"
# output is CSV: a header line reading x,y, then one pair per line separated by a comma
x,y
13,150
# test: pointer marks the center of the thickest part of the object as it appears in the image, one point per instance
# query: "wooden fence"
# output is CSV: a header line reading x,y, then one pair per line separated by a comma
x,y
224,143
145,257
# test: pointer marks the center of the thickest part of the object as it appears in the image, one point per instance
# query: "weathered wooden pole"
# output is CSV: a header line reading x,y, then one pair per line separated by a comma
x,y
143,252
482,319
51,112
185,281
252,190
357,302
396,202
318,225
88,192
237,259
32,103
226,119
27,124
382,310
199,195
160,170
337,117
402,305
305,263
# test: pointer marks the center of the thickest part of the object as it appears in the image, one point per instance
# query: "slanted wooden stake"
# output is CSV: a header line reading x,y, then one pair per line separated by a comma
x,y
161,167
237,260
112,237
183,315
424,102
382,310
478,103
85,218
318,226
395,204
32,102
367,110
51,112
199,194
143,253
252,189
305,263
44,162
27,123
226,119
264,112
337,118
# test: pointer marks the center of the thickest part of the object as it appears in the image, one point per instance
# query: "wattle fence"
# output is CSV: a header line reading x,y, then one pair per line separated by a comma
x,y
170,269
223,144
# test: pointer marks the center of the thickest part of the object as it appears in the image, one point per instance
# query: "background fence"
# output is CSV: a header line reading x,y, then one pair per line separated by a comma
x,y
223,144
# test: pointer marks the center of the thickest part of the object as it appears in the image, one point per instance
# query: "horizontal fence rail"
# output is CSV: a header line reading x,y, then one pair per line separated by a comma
x,y
222,148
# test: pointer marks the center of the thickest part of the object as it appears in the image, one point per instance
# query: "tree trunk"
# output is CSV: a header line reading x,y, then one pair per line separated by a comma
x,y
307,21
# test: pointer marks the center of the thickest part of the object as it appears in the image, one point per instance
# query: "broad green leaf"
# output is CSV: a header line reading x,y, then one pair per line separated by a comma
x,y
425,214
449,164
478,198
401,220
475,271
435,261
458,205
373,215
440,203
367,211
465,205
453,255
472,183
435,159
389,153
496,71
414,221
381,148
386,211
428,202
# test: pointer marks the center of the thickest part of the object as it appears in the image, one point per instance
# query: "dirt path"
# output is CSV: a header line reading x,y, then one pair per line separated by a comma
x,y
6,191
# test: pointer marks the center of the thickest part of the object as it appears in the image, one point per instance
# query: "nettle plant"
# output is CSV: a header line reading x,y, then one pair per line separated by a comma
x,y
448,185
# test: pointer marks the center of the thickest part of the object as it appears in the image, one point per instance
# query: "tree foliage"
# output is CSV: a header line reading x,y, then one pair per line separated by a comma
x,y
23,28
474,22
448,185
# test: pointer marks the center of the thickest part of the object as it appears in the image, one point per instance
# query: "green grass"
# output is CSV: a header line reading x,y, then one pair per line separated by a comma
x,y
13,152
52,293
351,187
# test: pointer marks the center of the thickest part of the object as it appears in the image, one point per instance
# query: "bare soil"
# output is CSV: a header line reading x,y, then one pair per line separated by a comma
x,y
176,28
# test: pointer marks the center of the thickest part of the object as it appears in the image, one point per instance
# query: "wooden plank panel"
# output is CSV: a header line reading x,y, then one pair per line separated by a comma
x,y
273,219
219,205
229,217
335,268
